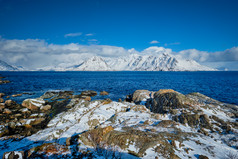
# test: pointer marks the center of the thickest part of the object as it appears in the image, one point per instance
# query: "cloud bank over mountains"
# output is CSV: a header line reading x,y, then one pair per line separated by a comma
x,y
35,53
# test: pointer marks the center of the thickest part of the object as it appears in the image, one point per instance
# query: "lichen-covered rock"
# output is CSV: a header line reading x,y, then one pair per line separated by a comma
x,y
33,104
166,99
140,95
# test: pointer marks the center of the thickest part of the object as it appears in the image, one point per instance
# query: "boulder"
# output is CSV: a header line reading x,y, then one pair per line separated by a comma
x,y
166,99
33,104
1,100
140,95
89,93
104,93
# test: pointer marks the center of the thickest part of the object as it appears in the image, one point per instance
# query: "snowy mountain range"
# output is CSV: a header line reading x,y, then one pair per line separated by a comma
x,y
135,62
159,61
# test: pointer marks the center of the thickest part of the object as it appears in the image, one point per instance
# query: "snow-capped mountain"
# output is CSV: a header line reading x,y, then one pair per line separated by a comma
x,y
135,62
95,63
6,67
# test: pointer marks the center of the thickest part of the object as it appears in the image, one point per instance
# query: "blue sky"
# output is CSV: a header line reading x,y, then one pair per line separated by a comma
x,y
201,30
208,25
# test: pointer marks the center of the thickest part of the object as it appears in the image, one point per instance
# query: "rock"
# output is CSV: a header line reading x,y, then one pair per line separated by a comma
x,y
104,93
7,111
57,94
8,97
45,108
190,119
1,95
89,93
202,157
140,95
10,103
205,121
1,100
14,155
87,98
37,121
166,99
33,104
119,100
16,95
3,131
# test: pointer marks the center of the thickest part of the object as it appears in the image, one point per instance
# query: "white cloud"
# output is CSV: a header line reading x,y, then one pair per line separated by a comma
x,y
34,53
73,34
90,34
154,42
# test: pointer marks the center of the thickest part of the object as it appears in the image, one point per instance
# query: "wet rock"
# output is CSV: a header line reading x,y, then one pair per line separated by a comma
x,y
89,93
16,95
129,98
140,95
4,81
104,93
166,99
33,104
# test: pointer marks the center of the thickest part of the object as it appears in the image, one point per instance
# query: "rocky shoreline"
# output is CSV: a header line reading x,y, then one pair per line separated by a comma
x,y
162,124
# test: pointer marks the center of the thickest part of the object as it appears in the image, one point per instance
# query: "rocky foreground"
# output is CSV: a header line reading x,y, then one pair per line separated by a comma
x,y
162,124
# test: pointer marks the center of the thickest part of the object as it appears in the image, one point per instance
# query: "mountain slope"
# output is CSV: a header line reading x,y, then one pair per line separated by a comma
x,y
6,67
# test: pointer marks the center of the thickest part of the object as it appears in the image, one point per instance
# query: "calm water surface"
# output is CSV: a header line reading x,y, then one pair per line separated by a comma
x,y
222,86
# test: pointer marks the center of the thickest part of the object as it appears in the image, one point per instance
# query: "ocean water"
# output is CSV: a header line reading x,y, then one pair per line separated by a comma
x,y
222,86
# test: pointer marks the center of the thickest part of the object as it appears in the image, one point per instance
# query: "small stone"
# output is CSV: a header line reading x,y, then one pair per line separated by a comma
x,y
119,100
104,93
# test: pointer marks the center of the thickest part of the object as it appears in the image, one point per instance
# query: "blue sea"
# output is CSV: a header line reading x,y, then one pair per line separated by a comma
x,y
222,86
